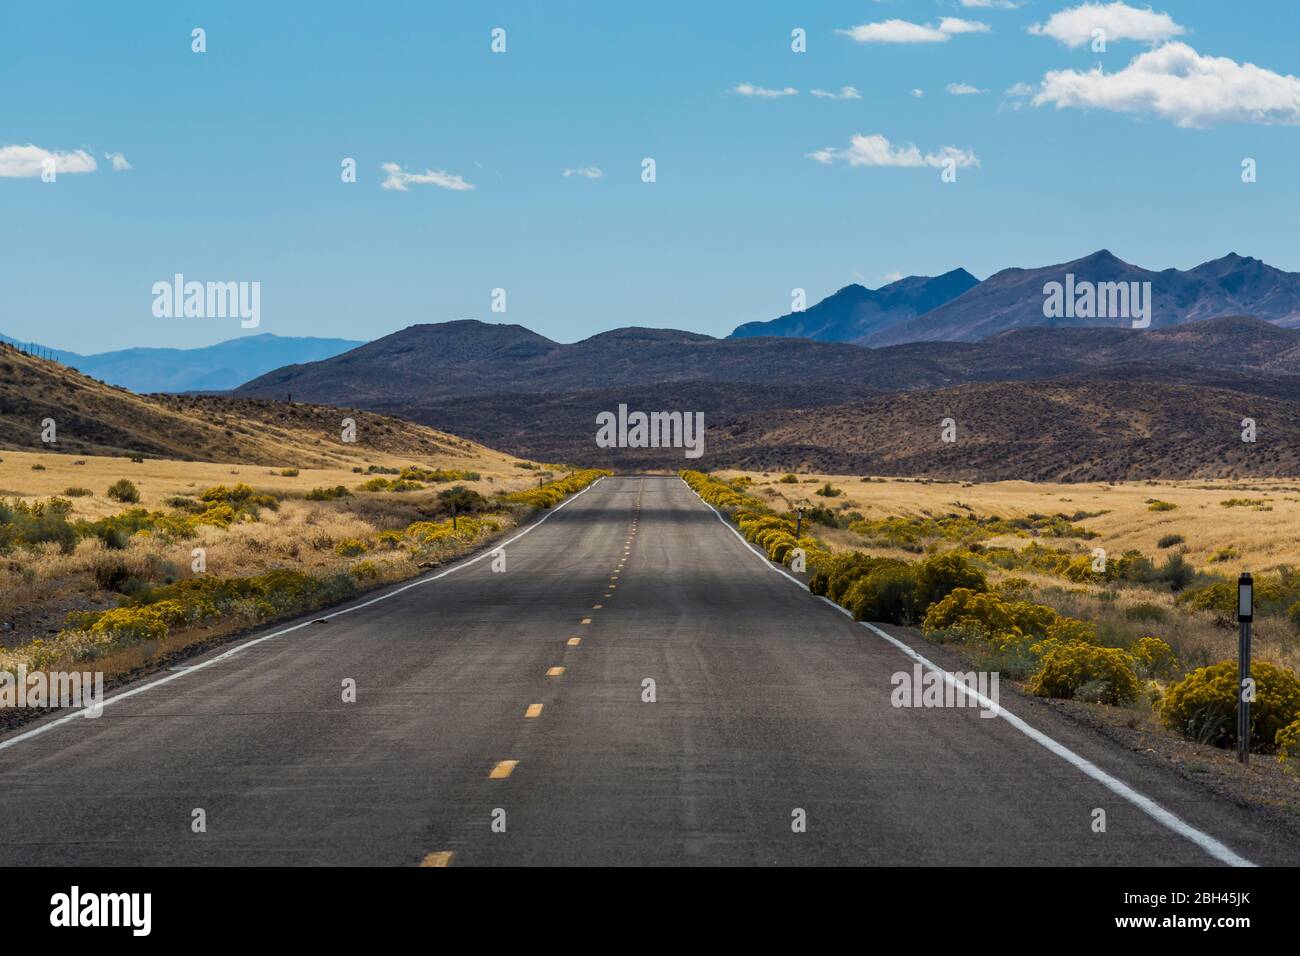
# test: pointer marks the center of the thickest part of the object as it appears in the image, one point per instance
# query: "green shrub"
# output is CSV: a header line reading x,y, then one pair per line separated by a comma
x,y
789,480
124,490
1155,504
1203,705
328,494
75,492
350,548
1287,742
828,491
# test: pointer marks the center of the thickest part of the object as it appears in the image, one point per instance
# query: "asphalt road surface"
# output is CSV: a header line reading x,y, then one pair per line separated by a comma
x,y
501,717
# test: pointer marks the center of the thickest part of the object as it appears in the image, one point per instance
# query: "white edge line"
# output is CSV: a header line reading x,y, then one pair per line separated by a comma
x,y
1140,800
488,552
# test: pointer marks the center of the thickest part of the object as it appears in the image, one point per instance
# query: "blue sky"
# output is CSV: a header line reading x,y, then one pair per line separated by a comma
x,y
235,157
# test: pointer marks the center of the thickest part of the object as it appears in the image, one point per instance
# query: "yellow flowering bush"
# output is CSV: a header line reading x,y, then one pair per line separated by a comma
x,y
1078,669
1203,705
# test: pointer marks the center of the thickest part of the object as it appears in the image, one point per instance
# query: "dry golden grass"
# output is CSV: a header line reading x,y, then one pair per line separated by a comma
x,y
39,586
1262,539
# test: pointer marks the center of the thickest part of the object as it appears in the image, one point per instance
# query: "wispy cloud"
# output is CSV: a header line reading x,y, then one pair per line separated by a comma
x,y
876,150
398,179
963,89
749,89
918,93
991,4
118,162
904,31
23,162
845,93
1118,21
587,172
891,277
1180,85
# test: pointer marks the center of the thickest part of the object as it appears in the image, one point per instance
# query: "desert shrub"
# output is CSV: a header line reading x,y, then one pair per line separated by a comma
x,y
789,480
1155,504
1013,588
131,624
1293,614
889,593
1176,572
389,539
350,548
1086,671
239,497
29,525
75,492
328,494
374,484
465,500
1203,705
38,467
289,472
1169,540
1242,502
1287,742
828,491
823,516
553,492
1153,657
1225,554
939,576
124,490
364,570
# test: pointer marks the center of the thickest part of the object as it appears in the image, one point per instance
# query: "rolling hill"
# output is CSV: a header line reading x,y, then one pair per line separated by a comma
x,y
96,419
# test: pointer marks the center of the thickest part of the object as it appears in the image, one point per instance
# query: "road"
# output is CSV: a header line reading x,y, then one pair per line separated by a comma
x,y
767,702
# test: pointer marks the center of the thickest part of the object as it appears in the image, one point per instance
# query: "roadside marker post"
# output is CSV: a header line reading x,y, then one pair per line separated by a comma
x,y
1245,614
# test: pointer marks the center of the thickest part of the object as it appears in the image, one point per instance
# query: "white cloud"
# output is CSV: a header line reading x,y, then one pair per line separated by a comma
x,y
845,93
963,89
1117,20
119,162
1178,84
22,162
588,172
889,277
749,89
904,31
918,93
398,178
876,150
991,4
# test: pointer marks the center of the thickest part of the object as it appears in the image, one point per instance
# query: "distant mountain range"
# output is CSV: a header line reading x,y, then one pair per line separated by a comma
x,y
215,368
956,308
854,312
792,403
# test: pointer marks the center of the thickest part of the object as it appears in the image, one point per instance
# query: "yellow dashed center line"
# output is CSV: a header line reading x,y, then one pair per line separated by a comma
x,y
503,769
555,672
575,641
597,607
440,858
586,620
534,710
